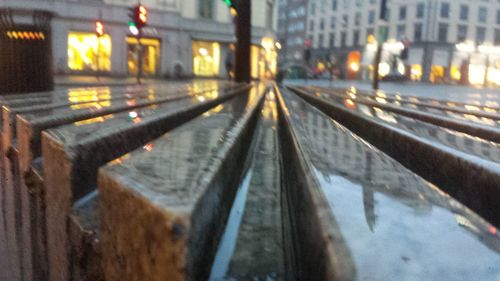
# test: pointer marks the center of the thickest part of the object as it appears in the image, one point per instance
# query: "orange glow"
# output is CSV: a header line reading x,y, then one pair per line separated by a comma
x,y
350,103
149,147
492,230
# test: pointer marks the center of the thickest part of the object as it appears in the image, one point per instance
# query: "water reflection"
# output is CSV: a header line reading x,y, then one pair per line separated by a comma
x,y
395,225
460,141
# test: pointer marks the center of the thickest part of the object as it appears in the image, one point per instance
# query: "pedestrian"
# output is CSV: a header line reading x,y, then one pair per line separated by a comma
x,y
229,62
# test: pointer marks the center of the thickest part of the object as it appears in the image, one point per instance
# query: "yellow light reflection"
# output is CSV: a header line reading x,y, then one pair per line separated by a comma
x,y
99,119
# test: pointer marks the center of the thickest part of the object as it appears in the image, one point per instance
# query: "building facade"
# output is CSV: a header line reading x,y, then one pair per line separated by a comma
x,y
183,38
454,41
292,23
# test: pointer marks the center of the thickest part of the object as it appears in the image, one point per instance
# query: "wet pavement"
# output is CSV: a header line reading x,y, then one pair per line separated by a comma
x,y
211,180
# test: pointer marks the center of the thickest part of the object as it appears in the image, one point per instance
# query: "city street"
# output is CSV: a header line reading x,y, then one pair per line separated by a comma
x,y
179,140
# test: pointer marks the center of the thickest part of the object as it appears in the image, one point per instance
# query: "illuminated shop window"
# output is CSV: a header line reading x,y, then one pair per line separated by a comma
x,y
86,52
150,55
206,58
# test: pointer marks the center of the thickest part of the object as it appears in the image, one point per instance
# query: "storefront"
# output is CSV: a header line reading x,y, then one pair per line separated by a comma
x,y
150,55
209,58
206,58
473,65
88,53
390,61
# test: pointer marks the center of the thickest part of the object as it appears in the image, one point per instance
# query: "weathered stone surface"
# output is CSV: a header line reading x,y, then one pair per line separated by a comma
x,y
378,220
73,153
32,122
175,193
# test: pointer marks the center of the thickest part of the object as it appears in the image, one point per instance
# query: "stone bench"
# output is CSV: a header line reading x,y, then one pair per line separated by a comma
x,y
360,215
25,202
176,192
471,180
73,153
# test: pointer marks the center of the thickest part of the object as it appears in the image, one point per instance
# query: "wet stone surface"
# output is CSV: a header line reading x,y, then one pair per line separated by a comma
x,y
172,187
209,180
389,216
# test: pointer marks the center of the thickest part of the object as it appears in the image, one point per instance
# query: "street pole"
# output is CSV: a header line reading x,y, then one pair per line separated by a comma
x,y
139,56
382,37
243,37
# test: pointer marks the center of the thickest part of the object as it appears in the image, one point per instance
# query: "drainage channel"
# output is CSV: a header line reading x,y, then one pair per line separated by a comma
x,y
252,246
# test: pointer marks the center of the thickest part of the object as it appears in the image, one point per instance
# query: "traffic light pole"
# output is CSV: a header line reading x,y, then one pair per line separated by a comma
x,y
139,56
243,37
382,37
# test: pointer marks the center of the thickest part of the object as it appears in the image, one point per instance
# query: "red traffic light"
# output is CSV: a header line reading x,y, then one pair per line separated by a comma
x,y
142,15
99,28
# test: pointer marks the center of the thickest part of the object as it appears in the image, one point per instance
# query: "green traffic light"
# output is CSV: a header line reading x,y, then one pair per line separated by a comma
x,y
229,3
131,23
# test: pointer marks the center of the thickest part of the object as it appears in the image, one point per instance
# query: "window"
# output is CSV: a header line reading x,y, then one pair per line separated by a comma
x,y
320,41
334,5
420,10
401,31
371,17
483,14
443,32
464,12
332,40
322,24
206,58
461,33
269,17
333,22
344,21
83,52
357,19
498,17
205,9
497,36
355,38
417,35
313,8
387,14
445,10
311,26
480,35
402,13
343,36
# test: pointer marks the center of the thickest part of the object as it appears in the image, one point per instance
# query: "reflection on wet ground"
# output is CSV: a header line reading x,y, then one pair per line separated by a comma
x,y
463,142
396,225
483,116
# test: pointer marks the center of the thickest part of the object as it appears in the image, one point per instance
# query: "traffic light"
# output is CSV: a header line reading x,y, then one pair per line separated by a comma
x,y
138,17
99,28
142,16
232,7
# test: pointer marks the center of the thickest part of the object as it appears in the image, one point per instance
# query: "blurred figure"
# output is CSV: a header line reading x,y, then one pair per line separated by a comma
x,y
229,62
